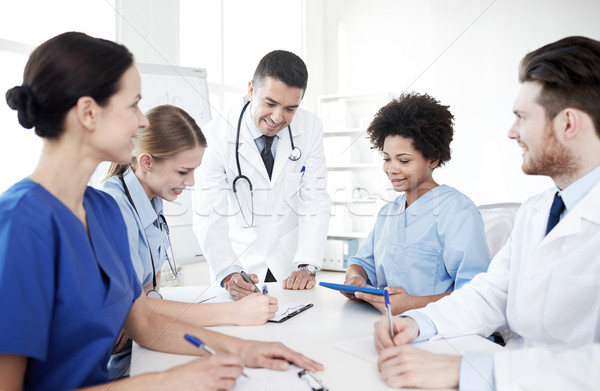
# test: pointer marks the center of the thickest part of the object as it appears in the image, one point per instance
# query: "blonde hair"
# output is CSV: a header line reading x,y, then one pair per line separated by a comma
x,y
170,131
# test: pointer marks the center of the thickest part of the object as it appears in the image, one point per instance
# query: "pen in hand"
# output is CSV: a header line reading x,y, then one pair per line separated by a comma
x,y
388,310
247,278
197,342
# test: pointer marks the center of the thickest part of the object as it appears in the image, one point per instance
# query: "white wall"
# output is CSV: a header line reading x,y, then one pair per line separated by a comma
x,y
464,53
25,24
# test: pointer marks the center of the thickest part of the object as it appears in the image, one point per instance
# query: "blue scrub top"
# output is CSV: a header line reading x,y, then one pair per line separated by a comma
x,y
143,231
434,246
145,235
66,292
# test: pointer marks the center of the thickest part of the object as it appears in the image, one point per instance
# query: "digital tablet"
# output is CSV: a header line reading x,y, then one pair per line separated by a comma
x,y
351,288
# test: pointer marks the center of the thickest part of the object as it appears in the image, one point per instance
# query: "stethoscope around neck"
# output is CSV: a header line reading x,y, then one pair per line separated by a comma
x,y
295,155
154,293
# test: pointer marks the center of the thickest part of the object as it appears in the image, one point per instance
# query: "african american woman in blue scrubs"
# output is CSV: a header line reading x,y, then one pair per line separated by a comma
x,y
430,240
166,154
66,279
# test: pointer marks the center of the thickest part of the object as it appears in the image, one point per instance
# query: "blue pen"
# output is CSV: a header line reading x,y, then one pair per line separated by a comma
x,y
197,342
303,170
389,312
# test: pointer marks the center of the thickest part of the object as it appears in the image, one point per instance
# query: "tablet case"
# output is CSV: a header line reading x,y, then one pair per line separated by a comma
x,y
351,288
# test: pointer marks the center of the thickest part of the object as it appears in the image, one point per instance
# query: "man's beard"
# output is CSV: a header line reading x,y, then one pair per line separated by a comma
x,y
552,159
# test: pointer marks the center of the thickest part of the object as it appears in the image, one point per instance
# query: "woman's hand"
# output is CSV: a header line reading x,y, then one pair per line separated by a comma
x,y
400,300
354,280
216,372
121,341
274,355
255,309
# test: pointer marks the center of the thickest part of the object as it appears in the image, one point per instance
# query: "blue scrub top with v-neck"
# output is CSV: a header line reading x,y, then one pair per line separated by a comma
x,y
434,246
66,292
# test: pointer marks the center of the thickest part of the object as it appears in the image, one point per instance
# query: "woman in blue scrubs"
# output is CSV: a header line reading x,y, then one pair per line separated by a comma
x,y
430,240
66,279
165,156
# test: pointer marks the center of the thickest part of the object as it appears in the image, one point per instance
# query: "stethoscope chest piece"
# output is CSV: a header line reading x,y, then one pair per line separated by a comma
x,y
296,153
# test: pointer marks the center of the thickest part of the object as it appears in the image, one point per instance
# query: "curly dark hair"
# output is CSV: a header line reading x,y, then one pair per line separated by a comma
x,y
419,117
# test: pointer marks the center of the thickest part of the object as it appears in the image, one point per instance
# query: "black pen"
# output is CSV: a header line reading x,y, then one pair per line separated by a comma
x,y
247,278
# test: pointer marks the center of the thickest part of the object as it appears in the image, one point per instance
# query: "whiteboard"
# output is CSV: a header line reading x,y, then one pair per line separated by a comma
x,y
186,88
179,86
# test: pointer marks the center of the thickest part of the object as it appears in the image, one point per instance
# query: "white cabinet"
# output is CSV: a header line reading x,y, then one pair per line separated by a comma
x,y
356,182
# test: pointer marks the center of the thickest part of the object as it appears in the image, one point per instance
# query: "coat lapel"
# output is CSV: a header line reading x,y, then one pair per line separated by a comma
x,y
284,148
249,152
571,223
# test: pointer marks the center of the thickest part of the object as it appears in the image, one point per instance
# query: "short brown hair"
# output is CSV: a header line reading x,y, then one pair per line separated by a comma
x,y
284,66
569,72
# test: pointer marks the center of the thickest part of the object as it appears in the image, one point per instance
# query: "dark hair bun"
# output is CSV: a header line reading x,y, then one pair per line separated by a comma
x,y
21,99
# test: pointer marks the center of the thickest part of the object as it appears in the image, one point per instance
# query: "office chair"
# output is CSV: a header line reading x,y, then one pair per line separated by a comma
x,y
498,220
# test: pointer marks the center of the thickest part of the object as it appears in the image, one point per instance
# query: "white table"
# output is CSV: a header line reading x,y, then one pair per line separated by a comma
x,y
332,319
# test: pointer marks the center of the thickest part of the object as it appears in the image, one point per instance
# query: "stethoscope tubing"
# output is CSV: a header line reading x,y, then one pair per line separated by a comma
x,y
295,155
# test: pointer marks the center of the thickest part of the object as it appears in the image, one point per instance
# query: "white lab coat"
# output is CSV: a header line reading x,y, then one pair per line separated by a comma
x,y
291,210
547,290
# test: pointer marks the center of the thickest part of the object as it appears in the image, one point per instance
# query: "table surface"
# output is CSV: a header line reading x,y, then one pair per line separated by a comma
x,y
333,318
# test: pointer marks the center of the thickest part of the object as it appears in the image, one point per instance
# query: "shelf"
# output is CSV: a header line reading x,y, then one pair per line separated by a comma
x,y
355,201
377,96
344,132
347,235
353,166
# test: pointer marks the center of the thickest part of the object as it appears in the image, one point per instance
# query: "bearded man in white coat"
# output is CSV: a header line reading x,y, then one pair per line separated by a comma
x,y
545,283
261,209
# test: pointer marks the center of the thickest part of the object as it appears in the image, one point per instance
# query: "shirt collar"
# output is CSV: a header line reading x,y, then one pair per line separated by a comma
x,y
252,128
577,190
147,211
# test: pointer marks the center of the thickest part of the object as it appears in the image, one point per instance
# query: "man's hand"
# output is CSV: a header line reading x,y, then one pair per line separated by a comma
x,y
300,279
237,287
355,280
406,330
409,367
400,301
274,355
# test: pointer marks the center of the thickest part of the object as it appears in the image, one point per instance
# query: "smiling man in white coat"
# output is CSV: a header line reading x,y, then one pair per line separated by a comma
x,y
545,283
261,210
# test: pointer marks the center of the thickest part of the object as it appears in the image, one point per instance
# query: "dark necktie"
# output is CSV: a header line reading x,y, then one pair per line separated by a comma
x,y
267,155
555,210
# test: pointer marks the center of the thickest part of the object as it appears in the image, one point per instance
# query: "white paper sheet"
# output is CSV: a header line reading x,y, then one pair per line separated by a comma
x,y
364,347
270,380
